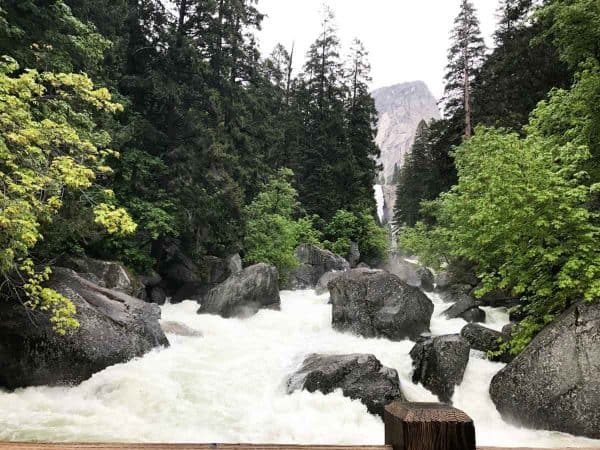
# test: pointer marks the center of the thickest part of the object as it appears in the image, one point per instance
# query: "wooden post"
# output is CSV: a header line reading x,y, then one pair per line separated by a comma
x,y
427,426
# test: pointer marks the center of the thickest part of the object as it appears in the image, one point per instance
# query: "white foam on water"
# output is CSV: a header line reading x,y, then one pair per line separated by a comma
x,y
229,386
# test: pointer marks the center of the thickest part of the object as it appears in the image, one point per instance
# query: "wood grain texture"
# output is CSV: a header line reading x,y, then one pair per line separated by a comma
x,y
428,426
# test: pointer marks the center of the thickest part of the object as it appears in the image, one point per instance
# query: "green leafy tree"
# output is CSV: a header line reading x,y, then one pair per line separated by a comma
x,y
272,233
346,227
519,213
49,148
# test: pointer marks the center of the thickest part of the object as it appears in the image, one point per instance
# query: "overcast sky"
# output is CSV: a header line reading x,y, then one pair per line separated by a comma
x,y
407,39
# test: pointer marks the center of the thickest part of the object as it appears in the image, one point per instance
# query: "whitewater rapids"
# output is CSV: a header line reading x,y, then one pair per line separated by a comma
x,y
229,386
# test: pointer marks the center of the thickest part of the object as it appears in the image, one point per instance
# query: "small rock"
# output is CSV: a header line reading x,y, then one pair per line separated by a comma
x,y
158,295
426,278
485,340
466,308
440,364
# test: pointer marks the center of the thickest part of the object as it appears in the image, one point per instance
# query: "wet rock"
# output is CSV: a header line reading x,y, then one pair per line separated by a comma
x,y
322,284
466,308
485,340
378,304
234,264
314,263
150,279
157,295
497,298
508,329
440,363
553,384
113,328
359,376
426,279
456,292
353,255
179,329
174,265
108,274
244,293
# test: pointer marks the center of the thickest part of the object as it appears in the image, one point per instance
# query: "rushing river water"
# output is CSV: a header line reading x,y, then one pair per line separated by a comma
x,y
229,386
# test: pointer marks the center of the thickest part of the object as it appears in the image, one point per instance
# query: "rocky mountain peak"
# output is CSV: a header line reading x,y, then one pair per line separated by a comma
x,y
401,108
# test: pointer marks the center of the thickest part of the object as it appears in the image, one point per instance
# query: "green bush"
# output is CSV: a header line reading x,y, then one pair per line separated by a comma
x,y
346,227
271,232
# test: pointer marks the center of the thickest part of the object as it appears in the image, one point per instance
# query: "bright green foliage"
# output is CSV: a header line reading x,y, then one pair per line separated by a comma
x,y
519,213
48,147
272,234
45,35
346,227
574,27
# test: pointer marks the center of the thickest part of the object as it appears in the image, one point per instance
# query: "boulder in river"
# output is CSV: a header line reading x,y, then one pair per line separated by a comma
x,y
485,340
113,328
456,292
314,263
359,376
554,384
466,308
244,293
440,363
374,303
426,278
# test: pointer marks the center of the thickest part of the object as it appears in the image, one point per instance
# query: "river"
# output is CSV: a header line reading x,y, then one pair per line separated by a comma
x,y
229,386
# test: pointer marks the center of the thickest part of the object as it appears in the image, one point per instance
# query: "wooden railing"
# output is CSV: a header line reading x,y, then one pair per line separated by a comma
x,y
408,426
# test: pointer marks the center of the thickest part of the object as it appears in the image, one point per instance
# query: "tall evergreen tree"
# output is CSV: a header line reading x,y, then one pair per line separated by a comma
x,y
465,57
362,124
520,71
323,99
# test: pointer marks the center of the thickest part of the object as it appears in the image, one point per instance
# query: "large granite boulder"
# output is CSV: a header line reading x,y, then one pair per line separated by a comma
x,y
244,293
554,384
486,340
359,376
467,308
113,328
440,363
378,304
108,274
314,262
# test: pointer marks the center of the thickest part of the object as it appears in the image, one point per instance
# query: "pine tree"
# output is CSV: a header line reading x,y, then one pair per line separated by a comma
x,y
322,95
361,165
520,71
465,57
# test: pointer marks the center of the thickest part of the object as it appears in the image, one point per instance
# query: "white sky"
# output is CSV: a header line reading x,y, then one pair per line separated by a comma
x,y
407,39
